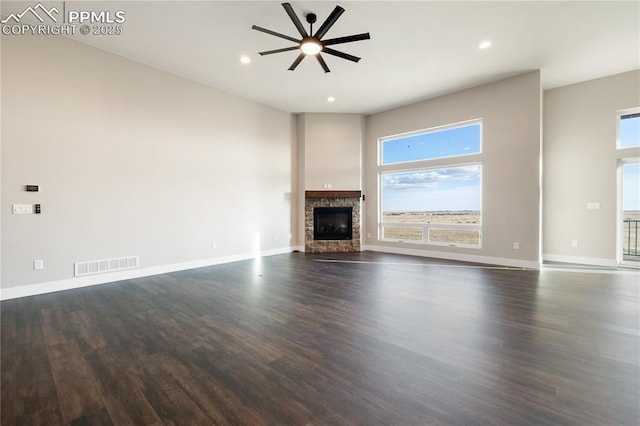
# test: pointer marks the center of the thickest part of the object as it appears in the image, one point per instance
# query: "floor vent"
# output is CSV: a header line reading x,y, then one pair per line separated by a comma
x,y
91,267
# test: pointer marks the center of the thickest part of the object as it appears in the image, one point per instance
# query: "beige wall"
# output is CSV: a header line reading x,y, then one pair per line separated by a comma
x,y
580,162
329,156
332,150
133,161
511,112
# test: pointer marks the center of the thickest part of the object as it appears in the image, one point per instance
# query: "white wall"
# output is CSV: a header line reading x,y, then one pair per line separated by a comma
x,y
511,114
133,161
580,161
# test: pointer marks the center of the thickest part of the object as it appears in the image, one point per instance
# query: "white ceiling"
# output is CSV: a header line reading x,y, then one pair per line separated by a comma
x,y
418,49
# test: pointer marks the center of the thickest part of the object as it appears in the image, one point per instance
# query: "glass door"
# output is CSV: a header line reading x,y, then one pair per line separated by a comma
x,y
630,213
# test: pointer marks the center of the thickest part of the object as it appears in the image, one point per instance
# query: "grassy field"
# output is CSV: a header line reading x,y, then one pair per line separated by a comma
x,y
461,236
465,216
631,214
446,236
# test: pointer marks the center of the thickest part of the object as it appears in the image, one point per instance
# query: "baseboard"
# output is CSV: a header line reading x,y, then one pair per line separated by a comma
x,y
86,281
517,263
595,261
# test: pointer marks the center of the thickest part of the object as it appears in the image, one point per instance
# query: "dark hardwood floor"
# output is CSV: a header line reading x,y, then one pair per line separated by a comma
x,y
297,340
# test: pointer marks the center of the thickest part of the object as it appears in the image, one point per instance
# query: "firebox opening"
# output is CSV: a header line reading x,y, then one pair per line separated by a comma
x,y
332,223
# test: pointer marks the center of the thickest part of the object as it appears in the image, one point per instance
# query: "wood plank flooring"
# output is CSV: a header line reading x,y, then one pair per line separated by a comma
x,y
299,340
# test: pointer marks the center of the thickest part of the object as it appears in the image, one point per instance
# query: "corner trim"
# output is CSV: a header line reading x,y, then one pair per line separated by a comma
x,y
86,281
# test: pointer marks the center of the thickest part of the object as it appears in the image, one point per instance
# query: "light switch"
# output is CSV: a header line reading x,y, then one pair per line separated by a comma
x,y
594,205
22,209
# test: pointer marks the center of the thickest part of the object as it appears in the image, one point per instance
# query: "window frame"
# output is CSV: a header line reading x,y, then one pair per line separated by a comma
x,y
446,162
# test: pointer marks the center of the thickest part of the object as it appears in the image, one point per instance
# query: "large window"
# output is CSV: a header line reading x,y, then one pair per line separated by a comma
x,y
629,129
629,137
425,201
426,145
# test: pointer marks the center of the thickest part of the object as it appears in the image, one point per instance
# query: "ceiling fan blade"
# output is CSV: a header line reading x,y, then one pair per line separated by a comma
x,y
323,64
346,39
342,55
328,23
297,61
285,49
295,19
273,33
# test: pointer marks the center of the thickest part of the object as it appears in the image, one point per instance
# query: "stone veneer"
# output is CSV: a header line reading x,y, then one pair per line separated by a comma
x,y
331,199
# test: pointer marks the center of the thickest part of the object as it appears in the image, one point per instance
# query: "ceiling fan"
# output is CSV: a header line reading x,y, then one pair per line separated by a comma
x,y
313,44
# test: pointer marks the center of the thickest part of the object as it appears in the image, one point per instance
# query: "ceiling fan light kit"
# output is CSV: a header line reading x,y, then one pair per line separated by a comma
x,y
310,46
310,43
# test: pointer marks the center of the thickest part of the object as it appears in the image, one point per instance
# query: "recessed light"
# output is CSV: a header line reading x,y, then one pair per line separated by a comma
x,y
245,59
331,99
484,44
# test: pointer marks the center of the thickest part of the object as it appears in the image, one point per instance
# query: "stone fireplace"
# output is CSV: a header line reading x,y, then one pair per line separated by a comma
x,y
332,221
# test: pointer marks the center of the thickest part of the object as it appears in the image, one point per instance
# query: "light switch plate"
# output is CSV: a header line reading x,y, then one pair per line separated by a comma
x,y
22,209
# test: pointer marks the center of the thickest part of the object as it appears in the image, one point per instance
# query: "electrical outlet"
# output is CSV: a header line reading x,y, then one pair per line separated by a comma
x,y
574,243
38,264
214,245
516,246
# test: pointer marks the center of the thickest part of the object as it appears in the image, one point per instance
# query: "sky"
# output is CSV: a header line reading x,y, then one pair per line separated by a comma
x,y
630,132
630,136
631,187
453,188
457,141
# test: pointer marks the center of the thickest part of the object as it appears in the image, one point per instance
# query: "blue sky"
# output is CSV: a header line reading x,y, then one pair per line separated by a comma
x,y
631,187
453,188
445,143
630,136
630,132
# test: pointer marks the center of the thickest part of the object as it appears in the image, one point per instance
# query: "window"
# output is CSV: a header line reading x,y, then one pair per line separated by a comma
x,y
426,145
630,211
424,201
628,136
629,129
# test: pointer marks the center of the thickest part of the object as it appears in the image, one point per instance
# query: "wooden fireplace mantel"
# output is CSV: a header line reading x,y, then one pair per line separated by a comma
x,y
333,194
